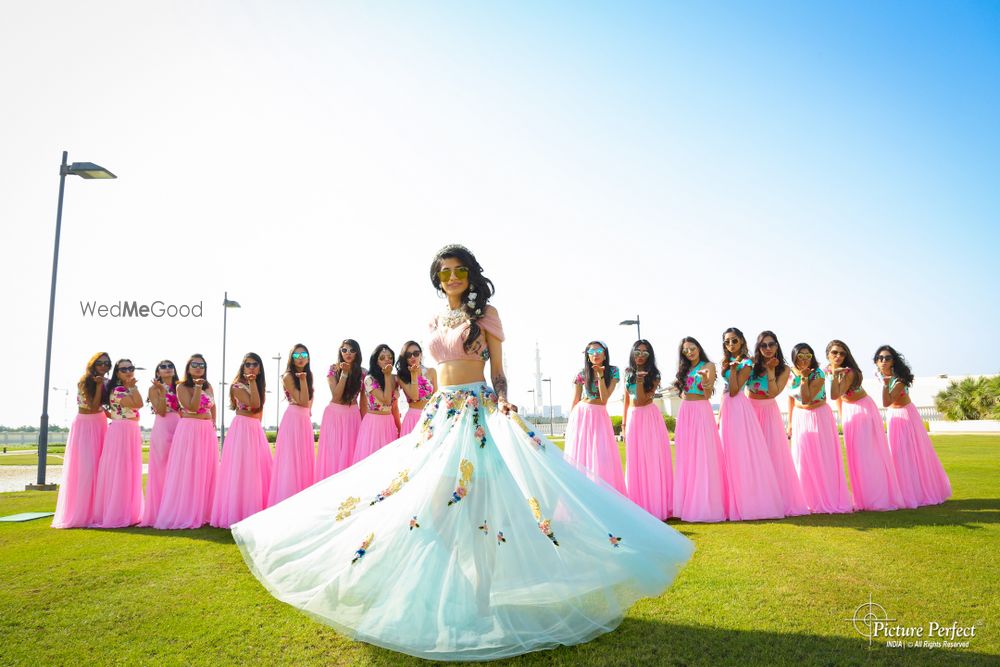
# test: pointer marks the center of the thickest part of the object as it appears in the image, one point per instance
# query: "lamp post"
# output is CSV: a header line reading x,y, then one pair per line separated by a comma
x,y
86,170
277,396
638,332
551,428
226,305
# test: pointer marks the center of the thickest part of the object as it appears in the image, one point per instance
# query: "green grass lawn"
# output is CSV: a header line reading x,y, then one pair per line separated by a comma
x,y
764,592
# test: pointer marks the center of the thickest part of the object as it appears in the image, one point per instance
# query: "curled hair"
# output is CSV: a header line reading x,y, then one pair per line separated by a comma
x,y
242,378
87,384
291,368
173,380
759,369
652,372
804,347
403,363
374,370
900,369
588,368
849,362
188,381
684,364
115,382
353,384
479,285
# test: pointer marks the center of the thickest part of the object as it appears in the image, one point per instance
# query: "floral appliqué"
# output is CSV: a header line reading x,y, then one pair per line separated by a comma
x,y
535,438
454,403
401,479
500,538
614,540
462,489
544,525
413,522
347,507
363,549
485,527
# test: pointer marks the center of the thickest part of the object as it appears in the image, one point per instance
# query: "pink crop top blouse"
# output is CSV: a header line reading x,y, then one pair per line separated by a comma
x,y
447,343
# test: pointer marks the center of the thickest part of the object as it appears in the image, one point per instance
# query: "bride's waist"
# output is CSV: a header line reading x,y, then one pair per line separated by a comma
x,y
461,371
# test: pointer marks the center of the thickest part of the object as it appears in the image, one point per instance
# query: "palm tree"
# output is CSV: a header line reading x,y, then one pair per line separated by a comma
x,y
971,398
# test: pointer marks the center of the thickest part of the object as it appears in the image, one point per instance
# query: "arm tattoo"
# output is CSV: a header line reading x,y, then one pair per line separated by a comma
x,y
500,385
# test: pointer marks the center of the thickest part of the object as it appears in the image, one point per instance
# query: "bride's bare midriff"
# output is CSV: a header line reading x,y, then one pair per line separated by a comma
x,y
461,371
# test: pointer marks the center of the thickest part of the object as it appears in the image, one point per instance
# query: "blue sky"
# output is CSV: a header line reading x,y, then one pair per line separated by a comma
x,y
820,169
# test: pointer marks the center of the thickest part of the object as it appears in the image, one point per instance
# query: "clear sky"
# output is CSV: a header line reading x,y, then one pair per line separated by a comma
x,y
820,169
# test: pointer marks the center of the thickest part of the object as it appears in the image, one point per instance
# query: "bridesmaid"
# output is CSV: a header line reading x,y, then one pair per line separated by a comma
x,y
189,484
295,449
648,472
162,397
418,383
815,444
922,479
699,472
245,471
75,502
869,463
118,492
590,438
380,425
342,417
750,480
768,379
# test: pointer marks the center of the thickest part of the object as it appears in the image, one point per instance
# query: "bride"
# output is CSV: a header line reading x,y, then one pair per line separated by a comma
x,y
469,538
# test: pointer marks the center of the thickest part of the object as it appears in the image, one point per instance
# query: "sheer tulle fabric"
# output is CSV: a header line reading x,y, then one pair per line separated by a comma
x,y
591,445
294,455
468,539
772,427
873,475
338,433
162,435
922,479
818,460
377,430
244,473
752,487
118,492
190,481
75,502
648,471
699,470
410,421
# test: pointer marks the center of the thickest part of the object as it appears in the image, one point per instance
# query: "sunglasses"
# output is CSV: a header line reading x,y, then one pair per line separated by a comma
x,y
126,369
251,364
102,364
804,355
884,357
166,367
836,353
689,350
300,355
346,350
197,364
413,354
595,350
641,353
460,272
768,346
732,341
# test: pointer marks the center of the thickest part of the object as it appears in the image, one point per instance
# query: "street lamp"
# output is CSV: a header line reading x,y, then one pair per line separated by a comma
x,y
551,428
87,170
226,305
628,323
277,396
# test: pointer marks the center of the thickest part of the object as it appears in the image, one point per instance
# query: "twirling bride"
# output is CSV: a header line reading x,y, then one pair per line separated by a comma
x,y
469,538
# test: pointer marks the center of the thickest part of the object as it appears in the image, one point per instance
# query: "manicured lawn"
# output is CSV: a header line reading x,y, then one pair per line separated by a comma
x,y
768,592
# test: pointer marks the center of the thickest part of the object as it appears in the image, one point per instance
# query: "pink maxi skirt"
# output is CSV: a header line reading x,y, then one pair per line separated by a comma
x,y
753,491
160,440
244,474
873,475
922,479
776,439
294,455
118,492
648,471
75,502
699,471
591,445
410,421
189,484
376,431
817,457
337,434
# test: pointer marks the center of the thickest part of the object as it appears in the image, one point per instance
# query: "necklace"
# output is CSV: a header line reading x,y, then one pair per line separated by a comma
x,y
453,317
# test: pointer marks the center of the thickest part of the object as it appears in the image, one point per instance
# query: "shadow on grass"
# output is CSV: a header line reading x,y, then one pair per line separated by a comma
x,y
206,533
966,512
644,642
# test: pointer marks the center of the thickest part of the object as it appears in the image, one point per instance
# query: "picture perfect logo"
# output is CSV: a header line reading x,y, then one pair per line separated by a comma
x,y
136,309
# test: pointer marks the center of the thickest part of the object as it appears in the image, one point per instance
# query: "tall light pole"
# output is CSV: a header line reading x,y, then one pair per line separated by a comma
x,y
552,430
277,396
638,332
87,170
226,305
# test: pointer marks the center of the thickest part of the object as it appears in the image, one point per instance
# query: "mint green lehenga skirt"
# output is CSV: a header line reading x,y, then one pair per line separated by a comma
x,y
467,539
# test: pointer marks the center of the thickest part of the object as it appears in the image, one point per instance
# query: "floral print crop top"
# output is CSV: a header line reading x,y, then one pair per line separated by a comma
x,y
590,391
745,363
81,397
374,405
630,384
170,396
757,384
850,394
115,408
795,387
334,373
695,384
424,389
240,405
205,405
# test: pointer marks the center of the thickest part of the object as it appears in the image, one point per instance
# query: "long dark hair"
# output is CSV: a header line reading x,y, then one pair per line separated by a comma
x,y
173,380
588,368
403,363
115,382
259,380
652,372
374,370
353,384
900,369
758,359
744,351
801,347
479,285
291,368
684,364
188,381
87,384
849,362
